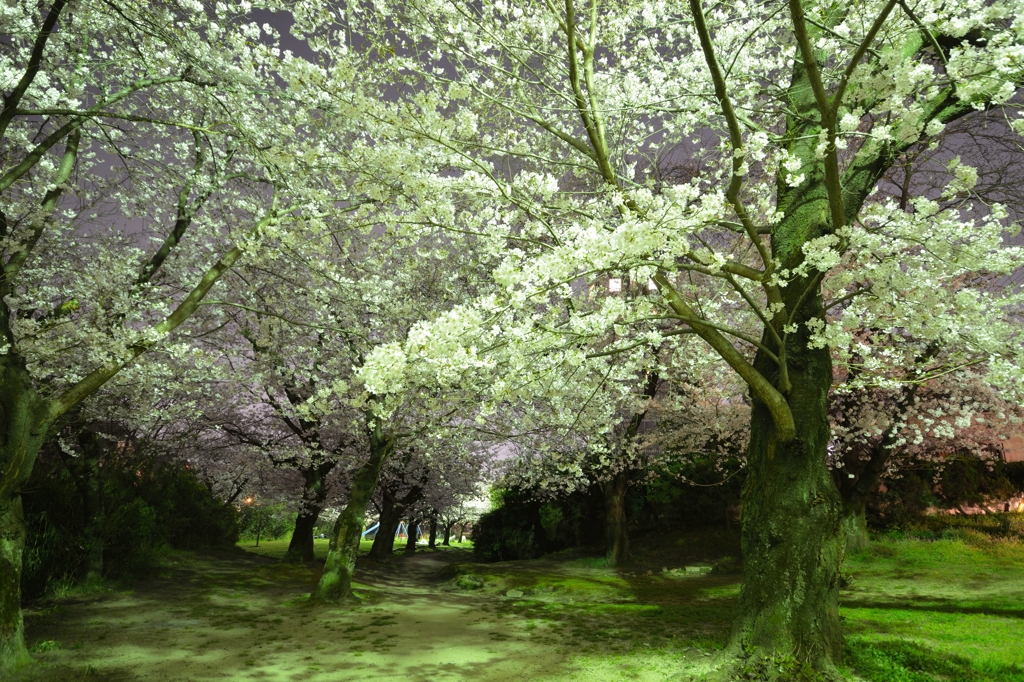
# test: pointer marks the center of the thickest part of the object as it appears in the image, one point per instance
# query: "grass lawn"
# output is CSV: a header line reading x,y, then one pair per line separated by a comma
x,y
915,611
948,609
276,549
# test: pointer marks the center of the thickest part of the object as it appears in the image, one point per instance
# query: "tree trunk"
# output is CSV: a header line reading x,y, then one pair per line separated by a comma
x,y
336,581
314,493
300,549
411,533
13,653
22,432
447,534
384,541
855,527
432,543
87,480
616,528
792,538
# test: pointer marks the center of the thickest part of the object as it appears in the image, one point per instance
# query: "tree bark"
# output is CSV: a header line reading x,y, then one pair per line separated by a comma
x,y
410,541
314,494
336,581
447,534
300,548
432,543
792,537
616,528
22,431
87,480
384,541
855,527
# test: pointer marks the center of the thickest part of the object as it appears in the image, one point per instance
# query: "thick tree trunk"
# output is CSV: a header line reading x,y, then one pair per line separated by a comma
x,y
616,528
314,494
300,549
855,528
793,543
384,541
432,543
13,653
336,581
23,427
410,541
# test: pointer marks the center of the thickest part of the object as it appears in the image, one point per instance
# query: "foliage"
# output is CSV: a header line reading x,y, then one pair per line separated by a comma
x,y
151,505
54,523
523,525
925,484
270,522
528,523
702,491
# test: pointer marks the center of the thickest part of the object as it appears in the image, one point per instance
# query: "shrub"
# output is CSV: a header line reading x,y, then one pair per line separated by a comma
x,y
149,505
270,522
520,525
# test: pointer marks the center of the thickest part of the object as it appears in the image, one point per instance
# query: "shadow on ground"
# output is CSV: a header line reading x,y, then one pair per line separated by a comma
x,y
240,616
912,613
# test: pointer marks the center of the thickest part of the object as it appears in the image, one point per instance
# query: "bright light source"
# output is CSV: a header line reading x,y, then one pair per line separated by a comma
x,y
614,284
248,500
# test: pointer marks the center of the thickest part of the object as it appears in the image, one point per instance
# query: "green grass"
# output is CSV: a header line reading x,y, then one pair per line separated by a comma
x,y
948,609
276,549
916,610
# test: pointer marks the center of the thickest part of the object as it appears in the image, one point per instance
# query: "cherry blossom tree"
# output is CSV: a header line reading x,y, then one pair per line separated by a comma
x,y
793,113
146,150
879,431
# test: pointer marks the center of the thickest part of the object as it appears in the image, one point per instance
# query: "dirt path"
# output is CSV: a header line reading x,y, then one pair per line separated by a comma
x,y
237,616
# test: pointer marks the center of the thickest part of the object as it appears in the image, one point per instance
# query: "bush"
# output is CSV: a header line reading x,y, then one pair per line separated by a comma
x,y
958,481
696,493
133,540
270,522
522,526
149,505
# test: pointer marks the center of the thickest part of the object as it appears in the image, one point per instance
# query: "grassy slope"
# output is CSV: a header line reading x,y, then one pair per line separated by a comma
x,y
947,609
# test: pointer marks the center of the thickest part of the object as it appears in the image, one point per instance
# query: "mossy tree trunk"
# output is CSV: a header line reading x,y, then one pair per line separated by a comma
x,y
792,541
336,582
23,426
384,541
855,528
616,524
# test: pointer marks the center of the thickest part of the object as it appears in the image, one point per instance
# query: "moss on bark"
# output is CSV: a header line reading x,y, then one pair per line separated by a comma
x,y
336,582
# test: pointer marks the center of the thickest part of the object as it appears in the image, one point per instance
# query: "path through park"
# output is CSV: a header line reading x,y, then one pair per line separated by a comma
x,y
239,616
921,610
